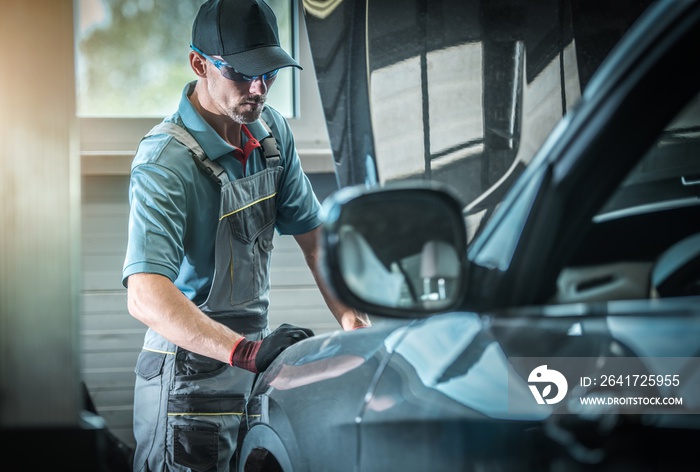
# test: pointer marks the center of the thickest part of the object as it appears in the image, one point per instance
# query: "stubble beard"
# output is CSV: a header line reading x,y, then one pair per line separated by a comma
x,y
240,114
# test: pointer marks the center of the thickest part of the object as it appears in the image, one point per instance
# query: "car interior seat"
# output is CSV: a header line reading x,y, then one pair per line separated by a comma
x,y
439,266
677,270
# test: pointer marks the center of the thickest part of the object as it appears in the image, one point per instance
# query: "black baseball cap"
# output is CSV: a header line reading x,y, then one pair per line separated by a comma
x,y
243,32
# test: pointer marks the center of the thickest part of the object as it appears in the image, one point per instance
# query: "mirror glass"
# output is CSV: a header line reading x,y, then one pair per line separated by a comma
x,y
401,252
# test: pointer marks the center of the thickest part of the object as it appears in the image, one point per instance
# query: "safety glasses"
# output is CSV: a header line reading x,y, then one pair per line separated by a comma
x,y
231,73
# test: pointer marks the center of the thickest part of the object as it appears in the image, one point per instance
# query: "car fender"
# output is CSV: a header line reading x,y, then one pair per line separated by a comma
x,y
258,436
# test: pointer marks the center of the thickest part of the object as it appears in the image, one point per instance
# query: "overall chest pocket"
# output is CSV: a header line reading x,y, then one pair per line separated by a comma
x,y
248,213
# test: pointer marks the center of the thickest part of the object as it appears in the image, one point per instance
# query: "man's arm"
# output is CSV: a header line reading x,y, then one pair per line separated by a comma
x,y
347,317
155,301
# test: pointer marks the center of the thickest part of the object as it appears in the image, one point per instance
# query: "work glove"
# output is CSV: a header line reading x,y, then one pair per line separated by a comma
x,y
256,356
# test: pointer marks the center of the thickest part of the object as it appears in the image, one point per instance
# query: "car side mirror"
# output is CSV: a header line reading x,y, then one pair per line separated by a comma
x,y
398,250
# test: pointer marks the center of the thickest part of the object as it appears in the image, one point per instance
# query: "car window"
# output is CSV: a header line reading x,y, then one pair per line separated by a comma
x,y
669,173
645,241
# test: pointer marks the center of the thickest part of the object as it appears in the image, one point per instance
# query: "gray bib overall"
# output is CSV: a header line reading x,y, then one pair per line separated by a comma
x,y
188,407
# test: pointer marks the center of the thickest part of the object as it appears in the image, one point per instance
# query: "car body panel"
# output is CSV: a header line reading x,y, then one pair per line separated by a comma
x,y
292,395
388,394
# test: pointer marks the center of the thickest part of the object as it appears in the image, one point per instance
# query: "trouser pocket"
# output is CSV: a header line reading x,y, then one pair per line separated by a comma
x,y
196,446
149,364
203,432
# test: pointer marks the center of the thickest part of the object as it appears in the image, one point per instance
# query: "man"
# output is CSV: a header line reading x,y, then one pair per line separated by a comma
x,y
200,236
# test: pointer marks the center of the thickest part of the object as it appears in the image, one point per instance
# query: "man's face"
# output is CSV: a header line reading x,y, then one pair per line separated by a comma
x,y
242,101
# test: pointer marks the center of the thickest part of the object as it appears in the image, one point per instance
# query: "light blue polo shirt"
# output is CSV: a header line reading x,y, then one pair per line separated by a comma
x,y
174,206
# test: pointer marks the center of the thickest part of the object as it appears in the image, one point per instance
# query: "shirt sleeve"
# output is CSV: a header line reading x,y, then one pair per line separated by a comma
x,y
157,222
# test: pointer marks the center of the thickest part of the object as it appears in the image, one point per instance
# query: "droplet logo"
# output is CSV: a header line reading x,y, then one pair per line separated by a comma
x,y
543,375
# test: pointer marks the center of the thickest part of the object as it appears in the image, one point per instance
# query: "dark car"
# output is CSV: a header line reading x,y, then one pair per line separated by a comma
x,y
550,322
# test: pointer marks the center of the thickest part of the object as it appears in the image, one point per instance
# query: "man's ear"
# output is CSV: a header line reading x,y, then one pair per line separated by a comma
x,y
198,64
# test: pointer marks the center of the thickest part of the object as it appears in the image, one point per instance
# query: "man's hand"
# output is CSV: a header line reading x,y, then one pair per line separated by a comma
x,y
256,356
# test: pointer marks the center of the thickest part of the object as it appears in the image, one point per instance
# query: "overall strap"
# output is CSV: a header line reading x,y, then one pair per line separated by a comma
x,y
211,168
269,147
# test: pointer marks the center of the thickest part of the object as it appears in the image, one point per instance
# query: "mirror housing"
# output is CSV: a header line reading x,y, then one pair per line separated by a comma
x,y
398,250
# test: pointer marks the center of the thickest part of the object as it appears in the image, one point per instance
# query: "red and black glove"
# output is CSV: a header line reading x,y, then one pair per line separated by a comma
x,y
256,356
